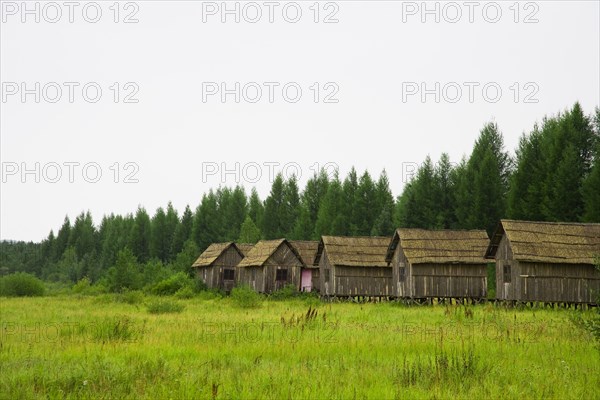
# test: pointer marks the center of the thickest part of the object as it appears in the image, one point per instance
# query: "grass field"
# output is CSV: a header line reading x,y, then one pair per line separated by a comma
x,y
96,347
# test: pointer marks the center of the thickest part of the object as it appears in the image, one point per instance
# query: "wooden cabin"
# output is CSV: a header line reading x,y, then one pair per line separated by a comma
x,y
216,265
546,261
269,266
354,266
439,264
307,249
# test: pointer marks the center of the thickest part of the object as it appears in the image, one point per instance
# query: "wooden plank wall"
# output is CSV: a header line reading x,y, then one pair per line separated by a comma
x,y
252,277
282,258
363,281
404,288
449,280
572,283
504,256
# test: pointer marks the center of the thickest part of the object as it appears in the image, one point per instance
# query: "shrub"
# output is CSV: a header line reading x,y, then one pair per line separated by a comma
x,y
185,292
210,294
245,297
84,287
199,285
286,292
164,306
172,284
21,284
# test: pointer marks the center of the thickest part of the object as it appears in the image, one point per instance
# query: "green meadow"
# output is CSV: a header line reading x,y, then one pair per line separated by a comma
x,y
209,347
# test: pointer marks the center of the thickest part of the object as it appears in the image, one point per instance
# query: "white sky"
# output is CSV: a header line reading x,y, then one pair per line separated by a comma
x,y
377,52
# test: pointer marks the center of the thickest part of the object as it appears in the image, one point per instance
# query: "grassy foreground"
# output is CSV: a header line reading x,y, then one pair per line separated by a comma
x,y
88,347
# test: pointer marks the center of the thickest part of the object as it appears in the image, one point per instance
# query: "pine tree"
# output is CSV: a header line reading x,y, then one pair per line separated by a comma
x,y
272,223
350,206
206,227
82,236
160,241
591,193
183,232
304,227
249,232
476,193
366,205
311,199
569,143
62,239
238,211
445,196
526,194
186,257
140,236
125,273
330,220
290,207
256,208
383,193
48,249
171,224
383,225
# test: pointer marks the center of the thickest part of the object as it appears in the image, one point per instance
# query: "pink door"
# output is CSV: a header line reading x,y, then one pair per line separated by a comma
x,y
306,280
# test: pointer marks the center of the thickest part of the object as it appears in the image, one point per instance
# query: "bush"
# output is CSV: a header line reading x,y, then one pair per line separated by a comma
x,y
285,293
164,306
21,284
245,297
85,287
172,284
210,294
199,285
185,292
82,285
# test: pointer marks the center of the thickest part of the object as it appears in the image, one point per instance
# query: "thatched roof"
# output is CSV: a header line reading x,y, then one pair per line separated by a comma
x,y
549,242
422,246
354,251
307,250
213,252
260,253
244,247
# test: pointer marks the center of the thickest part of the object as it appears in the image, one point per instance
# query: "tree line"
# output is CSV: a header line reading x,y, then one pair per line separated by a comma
x,y
554,176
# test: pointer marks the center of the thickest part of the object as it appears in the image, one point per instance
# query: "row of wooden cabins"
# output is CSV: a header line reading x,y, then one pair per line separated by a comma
x,y
535,261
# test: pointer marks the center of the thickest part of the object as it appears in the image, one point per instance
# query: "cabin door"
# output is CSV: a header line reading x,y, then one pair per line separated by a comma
x,y
306,281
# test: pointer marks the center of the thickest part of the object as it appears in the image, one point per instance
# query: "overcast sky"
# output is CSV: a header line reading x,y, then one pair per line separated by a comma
x,y
168,97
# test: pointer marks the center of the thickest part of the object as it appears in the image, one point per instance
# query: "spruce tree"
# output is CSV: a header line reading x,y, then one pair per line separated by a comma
x,y
249,232
256,208
183,231
140,236
206,226
272,223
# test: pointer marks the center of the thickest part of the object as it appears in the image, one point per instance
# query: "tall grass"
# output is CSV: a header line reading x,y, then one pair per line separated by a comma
x,y
76,347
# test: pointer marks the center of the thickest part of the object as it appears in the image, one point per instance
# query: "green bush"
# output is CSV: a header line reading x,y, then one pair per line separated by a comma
x,y
164,306
210,294
185,292
285,293
199,285
84,287
172,284
245,297
21,284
